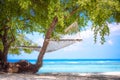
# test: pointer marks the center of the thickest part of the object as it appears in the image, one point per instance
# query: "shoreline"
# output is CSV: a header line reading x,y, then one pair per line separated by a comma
x,y
61,76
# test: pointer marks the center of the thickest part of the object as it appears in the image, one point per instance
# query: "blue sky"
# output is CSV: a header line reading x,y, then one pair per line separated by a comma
x,y
85,49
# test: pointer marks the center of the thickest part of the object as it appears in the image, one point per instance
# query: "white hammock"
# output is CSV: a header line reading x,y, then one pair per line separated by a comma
x,y
53,45
57,44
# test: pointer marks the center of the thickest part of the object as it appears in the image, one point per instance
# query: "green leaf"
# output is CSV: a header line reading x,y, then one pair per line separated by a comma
x,y
29,16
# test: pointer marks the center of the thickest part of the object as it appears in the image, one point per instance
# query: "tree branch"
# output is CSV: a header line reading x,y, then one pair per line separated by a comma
x,y
73,12
1,29
0,36
45,43
4,38
12,40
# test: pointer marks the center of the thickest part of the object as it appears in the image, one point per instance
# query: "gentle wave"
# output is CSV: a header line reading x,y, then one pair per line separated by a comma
x,y
77,61
78,65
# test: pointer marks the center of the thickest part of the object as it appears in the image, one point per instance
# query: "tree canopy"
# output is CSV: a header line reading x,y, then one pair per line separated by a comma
x,y
20,17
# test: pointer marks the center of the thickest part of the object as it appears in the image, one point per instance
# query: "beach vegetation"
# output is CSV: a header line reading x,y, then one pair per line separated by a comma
x,y
50,18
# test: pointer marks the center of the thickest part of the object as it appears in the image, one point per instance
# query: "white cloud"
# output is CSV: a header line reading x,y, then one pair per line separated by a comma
x,y
39,41
89,33
110,42
73,47
84,35
114,27
80,35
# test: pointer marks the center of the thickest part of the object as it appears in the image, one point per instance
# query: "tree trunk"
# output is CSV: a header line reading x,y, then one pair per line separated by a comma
x,y
46,42
6,45
24,66
3,57
3,61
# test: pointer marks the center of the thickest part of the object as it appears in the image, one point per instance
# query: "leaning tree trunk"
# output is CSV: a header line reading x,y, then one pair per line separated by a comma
x,y
24,66
46,42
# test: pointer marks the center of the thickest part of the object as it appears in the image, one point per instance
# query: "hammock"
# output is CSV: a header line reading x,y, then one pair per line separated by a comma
x,y
58,44
53,45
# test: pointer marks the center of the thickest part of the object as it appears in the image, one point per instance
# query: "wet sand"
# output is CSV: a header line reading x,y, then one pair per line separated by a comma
x,y
62,76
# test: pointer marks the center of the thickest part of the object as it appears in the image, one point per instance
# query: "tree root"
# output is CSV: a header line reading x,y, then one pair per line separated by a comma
x,y
22,66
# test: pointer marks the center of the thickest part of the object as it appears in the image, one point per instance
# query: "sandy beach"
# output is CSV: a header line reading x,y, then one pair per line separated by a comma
x,y
62,76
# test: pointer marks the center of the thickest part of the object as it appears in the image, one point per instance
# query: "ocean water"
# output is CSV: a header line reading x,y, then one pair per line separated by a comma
x,y
78,65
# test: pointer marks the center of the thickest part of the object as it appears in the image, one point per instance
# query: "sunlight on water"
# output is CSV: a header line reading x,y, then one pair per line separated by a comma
x,y
79,68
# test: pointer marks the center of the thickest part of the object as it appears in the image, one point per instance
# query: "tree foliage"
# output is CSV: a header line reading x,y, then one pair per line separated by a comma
x,y
27,16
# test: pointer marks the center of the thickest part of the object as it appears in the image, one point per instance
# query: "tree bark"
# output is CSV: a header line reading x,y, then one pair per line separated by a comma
x,y
23,66
6,42
6,45
46,42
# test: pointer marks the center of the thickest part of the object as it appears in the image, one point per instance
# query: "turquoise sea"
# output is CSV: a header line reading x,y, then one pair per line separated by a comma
x,y
78,65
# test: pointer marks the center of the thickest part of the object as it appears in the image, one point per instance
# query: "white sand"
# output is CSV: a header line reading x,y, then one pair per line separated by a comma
x,y
111,73
62,76
104,73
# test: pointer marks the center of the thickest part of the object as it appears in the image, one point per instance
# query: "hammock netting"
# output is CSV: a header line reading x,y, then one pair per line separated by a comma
x,y
57,44
53,45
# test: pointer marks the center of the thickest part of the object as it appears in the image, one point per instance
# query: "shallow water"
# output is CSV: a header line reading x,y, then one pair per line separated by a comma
x,y
78,65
